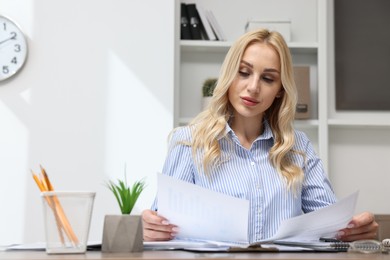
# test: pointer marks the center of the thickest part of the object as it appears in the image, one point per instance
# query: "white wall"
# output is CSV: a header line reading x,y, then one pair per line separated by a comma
x,y
95,93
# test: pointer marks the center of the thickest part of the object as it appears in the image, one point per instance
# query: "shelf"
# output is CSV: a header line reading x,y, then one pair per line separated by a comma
x,y
311,123
303,47
204,46
346,123
223,46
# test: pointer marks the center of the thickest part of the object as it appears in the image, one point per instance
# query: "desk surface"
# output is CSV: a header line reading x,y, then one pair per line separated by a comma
x,y
41,255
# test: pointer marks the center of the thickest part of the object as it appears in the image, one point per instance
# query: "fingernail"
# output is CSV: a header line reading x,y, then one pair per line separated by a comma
x,y
165,222
350,226
340,233
175,229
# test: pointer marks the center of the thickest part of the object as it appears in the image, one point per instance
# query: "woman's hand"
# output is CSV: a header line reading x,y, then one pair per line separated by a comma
x,y
157,228
362,226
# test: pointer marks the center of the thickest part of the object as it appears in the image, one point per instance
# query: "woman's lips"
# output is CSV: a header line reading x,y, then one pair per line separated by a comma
x,y
248,101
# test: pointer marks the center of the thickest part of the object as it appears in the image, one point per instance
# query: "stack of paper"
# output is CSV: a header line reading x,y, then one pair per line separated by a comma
x,y
207,218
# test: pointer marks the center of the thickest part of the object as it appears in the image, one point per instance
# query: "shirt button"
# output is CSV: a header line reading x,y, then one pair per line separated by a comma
x,y
252,163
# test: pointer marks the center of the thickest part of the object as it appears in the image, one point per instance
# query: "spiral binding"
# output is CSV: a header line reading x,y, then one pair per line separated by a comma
x,y
340,245
370,246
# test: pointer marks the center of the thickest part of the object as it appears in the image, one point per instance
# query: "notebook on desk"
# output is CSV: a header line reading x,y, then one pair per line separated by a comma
x,y
278,246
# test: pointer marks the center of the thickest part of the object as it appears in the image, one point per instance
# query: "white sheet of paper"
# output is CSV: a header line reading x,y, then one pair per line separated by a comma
x,y
201,213
324,222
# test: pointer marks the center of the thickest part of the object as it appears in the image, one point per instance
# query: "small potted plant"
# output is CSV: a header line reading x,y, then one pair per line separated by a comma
x,y
123,233
207,90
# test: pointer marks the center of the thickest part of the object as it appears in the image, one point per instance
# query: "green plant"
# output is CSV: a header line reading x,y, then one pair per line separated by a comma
x,y
126,196
209,86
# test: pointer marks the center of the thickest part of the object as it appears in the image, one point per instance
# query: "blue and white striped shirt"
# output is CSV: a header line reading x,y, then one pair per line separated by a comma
x,y
248,174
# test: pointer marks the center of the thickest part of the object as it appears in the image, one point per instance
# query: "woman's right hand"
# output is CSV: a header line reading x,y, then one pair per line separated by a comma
x,y
157,228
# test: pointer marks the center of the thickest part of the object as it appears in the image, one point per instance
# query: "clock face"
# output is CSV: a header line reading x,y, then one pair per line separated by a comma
x,y
13,48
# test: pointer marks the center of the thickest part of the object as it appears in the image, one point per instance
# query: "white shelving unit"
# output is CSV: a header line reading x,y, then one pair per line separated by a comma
x,y
311,44
199,59
354,146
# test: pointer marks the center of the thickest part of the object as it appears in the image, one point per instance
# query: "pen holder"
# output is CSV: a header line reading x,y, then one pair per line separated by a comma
x,y
67,217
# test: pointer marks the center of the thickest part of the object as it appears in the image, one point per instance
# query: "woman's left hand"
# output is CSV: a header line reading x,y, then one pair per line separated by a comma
x,y
362,226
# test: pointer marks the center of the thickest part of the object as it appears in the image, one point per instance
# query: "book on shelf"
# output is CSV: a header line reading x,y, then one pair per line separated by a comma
x,y
206,27
185,31
215,26
195,25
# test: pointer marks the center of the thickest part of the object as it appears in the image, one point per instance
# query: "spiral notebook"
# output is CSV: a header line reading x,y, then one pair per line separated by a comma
x,y
214,246
319,246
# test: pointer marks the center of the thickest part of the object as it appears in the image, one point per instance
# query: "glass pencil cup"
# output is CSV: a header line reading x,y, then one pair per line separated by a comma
x,y
67,219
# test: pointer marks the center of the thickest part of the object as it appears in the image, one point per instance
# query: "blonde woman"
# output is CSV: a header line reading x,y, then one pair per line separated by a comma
x,y
244,145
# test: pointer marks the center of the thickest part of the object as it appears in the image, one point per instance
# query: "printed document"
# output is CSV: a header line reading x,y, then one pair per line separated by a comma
x,y
325,222
200,213
205,215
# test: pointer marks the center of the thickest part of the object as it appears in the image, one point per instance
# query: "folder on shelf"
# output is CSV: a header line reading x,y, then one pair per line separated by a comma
x,y
195,25
185,31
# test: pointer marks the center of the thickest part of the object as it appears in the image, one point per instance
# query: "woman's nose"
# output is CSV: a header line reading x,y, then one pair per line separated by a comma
x,y
254,85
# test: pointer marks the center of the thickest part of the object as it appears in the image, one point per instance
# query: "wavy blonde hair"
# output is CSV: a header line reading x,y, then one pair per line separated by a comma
x,y
210,125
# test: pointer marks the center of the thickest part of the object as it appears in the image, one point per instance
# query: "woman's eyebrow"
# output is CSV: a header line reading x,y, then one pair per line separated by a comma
x,y
247,63
265,70
272,70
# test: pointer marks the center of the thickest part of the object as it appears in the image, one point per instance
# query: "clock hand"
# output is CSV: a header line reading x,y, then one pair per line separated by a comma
x,y
3,41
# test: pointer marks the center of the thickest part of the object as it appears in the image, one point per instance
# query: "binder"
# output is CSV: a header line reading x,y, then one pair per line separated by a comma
x,y
195,25
185,31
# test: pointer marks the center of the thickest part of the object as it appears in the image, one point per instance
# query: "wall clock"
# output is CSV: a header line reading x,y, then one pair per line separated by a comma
x,y
13,48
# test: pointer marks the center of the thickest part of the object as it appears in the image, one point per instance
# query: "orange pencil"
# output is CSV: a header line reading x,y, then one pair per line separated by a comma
x,y
67,227
51,205
44,184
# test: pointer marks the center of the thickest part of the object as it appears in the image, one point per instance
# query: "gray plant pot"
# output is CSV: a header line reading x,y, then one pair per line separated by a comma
x,y
122,233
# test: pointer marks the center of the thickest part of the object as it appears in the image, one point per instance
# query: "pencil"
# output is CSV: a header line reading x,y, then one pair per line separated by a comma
x,y
44,184
51,205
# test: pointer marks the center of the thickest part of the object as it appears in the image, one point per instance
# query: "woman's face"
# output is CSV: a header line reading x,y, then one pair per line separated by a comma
x,y
257,83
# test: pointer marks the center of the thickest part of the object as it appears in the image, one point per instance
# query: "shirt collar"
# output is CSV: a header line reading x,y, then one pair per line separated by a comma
x,y
267,133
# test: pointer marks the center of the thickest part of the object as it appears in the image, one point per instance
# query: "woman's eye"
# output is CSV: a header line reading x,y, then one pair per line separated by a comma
x,y
243,73
268,79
